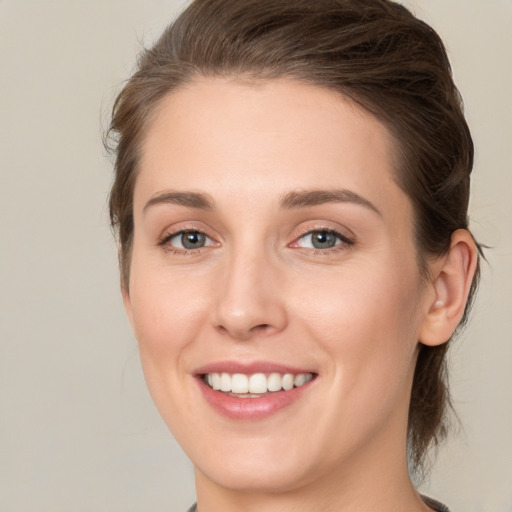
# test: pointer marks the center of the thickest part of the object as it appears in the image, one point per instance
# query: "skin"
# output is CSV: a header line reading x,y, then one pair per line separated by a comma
x,y
257,290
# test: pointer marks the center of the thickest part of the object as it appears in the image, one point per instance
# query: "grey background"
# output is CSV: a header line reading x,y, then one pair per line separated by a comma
x,y
78,431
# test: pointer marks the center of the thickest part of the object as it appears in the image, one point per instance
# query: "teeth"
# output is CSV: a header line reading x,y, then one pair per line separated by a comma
x,y
275,382
239,383
255,384
299,380
215,381
287,381
258,383
225,382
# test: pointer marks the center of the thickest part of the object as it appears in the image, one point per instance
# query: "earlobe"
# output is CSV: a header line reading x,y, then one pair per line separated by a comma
x,y
452,276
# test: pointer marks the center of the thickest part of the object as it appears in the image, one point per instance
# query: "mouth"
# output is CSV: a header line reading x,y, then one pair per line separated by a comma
x,y
240,392
255,385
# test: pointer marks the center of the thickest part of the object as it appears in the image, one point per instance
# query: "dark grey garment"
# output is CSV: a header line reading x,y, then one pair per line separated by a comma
x,y
433,504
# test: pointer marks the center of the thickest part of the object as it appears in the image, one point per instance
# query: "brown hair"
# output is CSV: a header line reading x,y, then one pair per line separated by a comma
x,y
372,51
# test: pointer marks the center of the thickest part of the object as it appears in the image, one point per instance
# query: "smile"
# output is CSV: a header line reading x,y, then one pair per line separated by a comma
x,y
253,391
255,385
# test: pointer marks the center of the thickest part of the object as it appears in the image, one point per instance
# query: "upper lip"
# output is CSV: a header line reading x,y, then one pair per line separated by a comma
x,y
249,368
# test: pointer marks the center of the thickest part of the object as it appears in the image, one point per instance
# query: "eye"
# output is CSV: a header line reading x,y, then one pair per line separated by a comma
x,y
188,240
322,239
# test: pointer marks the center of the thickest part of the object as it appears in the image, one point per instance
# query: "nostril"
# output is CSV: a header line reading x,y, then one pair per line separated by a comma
x,y
260,327
246,334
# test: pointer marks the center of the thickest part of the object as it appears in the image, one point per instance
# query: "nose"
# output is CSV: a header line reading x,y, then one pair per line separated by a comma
x,y
250,297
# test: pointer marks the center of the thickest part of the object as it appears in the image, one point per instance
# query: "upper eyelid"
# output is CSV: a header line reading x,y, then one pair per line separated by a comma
x,y
343,238
186,227
319,230
173,234
343,232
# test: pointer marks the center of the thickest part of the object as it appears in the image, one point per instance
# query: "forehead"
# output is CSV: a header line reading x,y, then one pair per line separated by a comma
x,y
263,139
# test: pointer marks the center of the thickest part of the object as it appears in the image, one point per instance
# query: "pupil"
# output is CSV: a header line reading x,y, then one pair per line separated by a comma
x,y
323,239
192,240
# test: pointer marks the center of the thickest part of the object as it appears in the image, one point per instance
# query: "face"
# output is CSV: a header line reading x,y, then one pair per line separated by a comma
x,y
273,258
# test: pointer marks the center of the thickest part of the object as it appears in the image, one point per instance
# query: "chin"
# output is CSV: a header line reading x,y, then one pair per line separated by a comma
x,y
255,476
253,465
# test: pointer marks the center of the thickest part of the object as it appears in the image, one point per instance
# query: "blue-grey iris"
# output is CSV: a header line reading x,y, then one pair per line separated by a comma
x,y
323,239
193,240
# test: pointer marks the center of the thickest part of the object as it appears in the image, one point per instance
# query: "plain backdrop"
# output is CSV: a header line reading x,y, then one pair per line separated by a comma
x,y
78,431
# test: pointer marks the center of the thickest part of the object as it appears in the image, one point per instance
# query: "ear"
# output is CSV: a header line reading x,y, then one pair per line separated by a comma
x,y
452,275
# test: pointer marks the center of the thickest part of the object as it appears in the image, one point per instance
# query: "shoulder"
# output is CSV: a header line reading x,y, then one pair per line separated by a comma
x,y
431,502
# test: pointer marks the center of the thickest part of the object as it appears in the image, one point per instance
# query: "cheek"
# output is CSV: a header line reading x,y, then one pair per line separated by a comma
x,y
167,315
363,298
367,323
168,311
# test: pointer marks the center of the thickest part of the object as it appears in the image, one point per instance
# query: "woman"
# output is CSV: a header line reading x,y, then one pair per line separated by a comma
x,y
291,192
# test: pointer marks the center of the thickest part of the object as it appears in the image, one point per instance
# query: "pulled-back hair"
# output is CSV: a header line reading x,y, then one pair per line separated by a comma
x,y
374,52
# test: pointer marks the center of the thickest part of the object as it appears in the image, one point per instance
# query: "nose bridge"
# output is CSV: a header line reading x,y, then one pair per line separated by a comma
x,y
249,296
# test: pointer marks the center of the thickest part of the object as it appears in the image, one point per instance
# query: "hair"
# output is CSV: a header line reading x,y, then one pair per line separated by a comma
x,y
374,52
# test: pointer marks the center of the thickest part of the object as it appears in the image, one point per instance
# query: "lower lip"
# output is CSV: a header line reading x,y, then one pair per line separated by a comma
x,y
251,408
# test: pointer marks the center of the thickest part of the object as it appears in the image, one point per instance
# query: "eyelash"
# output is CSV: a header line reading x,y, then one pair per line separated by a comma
x,y
344,241
164,242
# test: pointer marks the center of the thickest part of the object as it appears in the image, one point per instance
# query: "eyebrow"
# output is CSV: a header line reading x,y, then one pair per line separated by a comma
x,y
292,200
304,198
189,199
